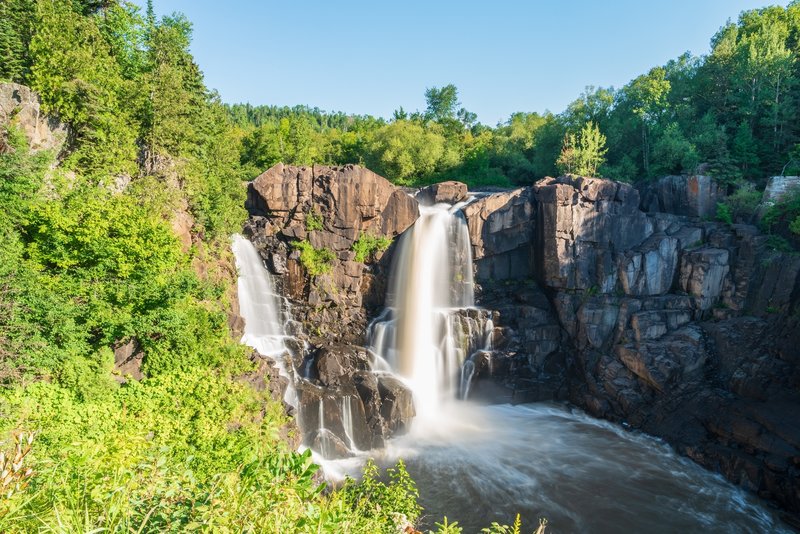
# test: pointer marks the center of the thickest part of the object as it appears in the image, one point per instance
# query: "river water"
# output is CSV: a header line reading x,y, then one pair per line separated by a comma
x,y
480,464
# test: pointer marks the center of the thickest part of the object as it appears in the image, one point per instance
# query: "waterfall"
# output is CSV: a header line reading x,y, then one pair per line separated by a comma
x,y
260,306
431,280
347,423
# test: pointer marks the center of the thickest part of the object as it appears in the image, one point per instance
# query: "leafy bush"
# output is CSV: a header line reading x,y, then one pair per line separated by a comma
x,y
313,221
367,246
390,507
316,261
744,202
724,213
783,219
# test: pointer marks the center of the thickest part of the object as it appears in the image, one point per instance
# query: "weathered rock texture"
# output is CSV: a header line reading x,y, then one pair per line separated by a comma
x,y
636,309
680,327
694,196
329,207
342,405
20,108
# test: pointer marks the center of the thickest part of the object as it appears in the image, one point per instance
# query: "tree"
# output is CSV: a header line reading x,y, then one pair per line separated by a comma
x,y
583,153
405,150
442,103
647,95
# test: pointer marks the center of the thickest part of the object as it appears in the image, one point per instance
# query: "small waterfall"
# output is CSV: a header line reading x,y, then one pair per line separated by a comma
x,y
347,422
260,306
324,440
467,371
431,280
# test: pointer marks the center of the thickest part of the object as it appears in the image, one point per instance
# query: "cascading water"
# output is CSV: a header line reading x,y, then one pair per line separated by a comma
x,y
491,462
431,279
260,306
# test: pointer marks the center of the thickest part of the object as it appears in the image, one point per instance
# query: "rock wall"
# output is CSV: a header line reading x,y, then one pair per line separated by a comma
x,y
330,208
682,328
659,319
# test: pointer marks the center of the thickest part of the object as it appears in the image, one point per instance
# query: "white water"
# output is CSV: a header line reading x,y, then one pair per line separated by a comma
x,y
260,307
431,278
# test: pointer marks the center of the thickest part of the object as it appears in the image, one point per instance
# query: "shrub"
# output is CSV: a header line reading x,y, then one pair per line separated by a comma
x,y
316,261
744,202
724,213
313,221
367,246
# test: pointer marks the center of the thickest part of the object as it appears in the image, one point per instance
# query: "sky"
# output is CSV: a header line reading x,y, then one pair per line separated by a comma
x,y
373,56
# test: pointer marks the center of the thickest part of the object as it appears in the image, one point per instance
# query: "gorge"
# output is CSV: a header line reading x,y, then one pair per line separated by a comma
x,y
651,319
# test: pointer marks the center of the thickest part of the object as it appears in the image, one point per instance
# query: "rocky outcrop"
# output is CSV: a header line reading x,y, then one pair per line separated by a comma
x,y
500,229
693,196
677,326
448,192
778,187
20,107
342,405
581,226
330,208
639,310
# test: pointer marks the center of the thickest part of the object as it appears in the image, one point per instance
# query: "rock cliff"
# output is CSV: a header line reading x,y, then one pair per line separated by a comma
x,y
631,305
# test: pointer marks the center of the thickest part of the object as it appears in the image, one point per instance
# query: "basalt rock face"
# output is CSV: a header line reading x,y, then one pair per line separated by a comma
x,y
330,208
680,327
342,405
693,196
632,306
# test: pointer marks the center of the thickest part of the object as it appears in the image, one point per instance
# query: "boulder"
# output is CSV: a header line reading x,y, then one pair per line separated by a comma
x,y
778,187
335,364
450,192
397,404
128,358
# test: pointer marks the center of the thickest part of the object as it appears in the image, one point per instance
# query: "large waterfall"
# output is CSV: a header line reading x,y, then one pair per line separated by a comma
x,y
487,463
431,280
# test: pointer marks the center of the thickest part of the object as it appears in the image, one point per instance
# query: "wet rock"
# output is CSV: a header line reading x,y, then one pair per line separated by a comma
x,y
397,404
335,364
366,384
328,444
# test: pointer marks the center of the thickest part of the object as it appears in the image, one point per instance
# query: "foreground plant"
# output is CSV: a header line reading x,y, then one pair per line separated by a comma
x,y
15,475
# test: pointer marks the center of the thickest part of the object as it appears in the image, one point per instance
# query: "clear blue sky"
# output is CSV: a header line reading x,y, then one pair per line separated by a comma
x,y
361,56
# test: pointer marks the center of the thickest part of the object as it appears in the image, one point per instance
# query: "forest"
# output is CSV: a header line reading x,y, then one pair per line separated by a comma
x,y
90,261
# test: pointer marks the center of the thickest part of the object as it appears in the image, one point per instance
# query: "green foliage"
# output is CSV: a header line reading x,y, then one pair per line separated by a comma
x,y
367,246
782,219
390,506
316,261
313,221
724,213
446,527
584,152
